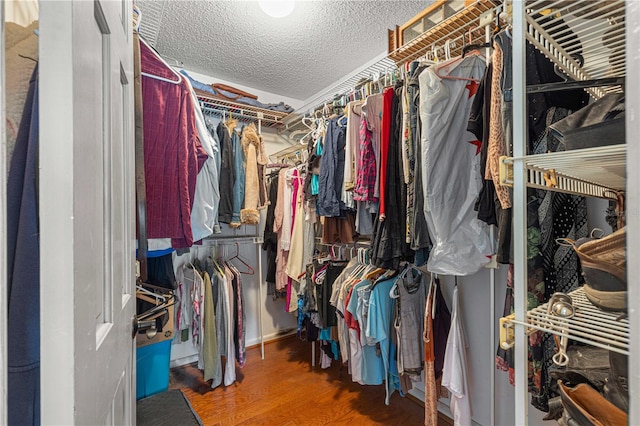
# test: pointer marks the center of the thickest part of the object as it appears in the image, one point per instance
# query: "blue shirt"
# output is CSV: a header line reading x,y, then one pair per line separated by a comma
x,y
372,367
379,325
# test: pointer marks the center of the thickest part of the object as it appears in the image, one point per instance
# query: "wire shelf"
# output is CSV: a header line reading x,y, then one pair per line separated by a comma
x,y
296,150
593,172
268,117
589,325
591,31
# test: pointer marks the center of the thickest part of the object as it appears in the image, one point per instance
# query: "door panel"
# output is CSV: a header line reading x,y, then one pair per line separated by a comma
x,y
87,216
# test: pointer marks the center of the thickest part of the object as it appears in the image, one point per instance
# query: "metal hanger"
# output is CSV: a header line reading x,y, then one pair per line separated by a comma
x,y
250,270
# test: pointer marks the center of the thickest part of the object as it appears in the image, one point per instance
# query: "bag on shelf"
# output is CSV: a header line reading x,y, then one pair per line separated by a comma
x,y
587,364
604,266
601,123
584,406
616,387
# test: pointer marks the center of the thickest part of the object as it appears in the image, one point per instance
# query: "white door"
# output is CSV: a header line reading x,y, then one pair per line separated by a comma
x,y
87,227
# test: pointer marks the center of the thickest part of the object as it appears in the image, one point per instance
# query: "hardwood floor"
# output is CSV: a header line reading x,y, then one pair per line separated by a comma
x,y
283,389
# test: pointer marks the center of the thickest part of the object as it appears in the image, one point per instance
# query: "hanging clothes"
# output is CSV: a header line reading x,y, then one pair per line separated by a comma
x,y
23,269
389,245
239,165
338,230
372,363
455,368
326,310
560,216
270,238
332,170
282,226
451,168
196,283
337,300
21,44
239,317
222,315
262,160
295,262
431,392
183,310
388,116
411,296
496,144
229,311
437,322
173,154
356,349
420,240
379,328
352,142
251,147
372,110
366,178
210,341
204,213
227,174
408,158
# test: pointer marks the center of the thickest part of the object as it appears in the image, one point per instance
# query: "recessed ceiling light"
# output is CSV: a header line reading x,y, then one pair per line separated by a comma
x,y
277,8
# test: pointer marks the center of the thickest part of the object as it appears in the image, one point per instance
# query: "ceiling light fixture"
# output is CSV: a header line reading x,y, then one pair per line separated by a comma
x,y
277,8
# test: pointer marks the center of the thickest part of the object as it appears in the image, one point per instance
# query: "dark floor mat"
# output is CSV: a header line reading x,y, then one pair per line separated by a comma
x,y
170,408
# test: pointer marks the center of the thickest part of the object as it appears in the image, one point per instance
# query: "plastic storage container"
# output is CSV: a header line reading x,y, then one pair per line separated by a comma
x,y
152,369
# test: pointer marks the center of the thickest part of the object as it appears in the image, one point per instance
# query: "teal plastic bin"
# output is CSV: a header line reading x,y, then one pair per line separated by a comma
x,y
152,369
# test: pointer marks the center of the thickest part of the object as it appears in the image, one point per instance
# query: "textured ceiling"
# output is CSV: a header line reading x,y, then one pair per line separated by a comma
x,y
296,56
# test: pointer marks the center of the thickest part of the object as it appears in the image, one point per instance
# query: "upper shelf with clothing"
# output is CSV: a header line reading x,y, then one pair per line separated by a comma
x,y
227,109
586,40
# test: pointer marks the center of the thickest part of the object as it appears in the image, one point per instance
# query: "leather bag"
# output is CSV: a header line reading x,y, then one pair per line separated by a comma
x,y
585,406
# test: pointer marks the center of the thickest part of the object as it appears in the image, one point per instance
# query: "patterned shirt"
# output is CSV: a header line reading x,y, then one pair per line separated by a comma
x,y
366,178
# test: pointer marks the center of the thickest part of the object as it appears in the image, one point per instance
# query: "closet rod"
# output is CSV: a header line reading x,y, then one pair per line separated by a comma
x,y
580,84
318,239
207,242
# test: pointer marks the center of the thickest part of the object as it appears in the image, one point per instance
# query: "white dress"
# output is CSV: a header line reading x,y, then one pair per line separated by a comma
x,y
454,369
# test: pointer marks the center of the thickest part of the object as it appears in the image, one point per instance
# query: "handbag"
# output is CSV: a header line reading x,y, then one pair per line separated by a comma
x,y
584,406
601,123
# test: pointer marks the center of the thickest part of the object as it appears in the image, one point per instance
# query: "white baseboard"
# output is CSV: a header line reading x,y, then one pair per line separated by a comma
x,y
251,342
183,361
270,337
